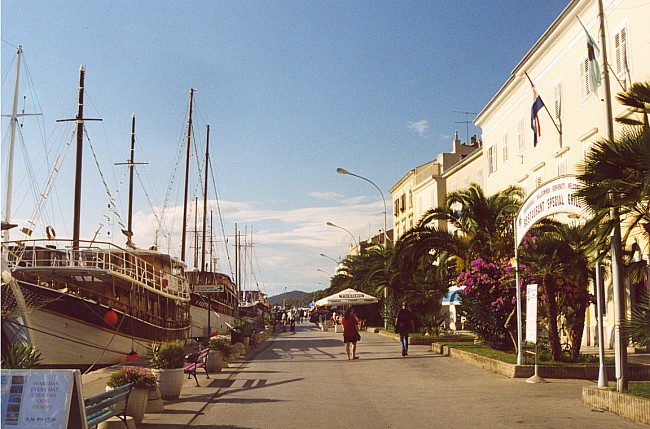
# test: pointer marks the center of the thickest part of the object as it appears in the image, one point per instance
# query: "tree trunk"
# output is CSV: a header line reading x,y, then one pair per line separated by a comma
x,y
551,313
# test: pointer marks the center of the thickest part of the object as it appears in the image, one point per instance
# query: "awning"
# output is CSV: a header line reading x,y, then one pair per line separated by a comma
x,y
346,297
453,296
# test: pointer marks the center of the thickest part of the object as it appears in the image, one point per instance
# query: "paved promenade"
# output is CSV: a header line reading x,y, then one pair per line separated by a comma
x,y
302,380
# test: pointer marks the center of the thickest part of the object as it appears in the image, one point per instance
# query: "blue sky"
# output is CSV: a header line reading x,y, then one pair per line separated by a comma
x,y
291,90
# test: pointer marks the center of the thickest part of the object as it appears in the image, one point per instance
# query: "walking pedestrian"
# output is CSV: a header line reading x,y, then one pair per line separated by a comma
x,y
350,333
404,324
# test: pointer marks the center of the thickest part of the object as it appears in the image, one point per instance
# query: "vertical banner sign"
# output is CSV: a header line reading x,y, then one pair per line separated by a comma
x,y
36,398
531,313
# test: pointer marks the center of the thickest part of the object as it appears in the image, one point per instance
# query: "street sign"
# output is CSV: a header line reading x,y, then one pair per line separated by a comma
x,y
208,288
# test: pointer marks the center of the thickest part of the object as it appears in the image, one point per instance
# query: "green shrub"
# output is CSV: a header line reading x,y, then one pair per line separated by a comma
x,y
21,356
167,355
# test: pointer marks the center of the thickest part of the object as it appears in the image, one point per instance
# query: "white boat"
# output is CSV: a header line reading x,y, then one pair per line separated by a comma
x,y
88,302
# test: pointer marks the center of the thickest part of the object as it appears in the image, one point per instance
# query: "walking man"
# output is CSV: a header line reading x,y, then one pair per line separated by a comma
x,y
404,324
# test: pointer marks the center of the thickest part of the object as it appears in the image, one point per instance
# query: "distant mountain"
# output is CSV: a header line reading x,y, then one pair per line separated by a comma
x,y
294,298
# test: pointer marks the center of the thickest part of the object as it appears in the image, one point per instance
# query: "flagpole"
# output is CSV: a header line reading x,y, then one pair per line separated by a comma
x,y
620,347
545,108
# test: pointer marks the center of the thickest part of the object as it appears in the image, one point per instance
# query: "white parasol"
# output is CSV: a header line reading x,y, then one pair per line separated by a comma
x,y
346,297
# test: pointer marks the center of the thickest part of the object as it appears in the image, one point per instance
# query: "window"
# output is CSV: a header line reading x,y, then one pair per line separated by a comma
x,y
410,199
585,88
396,208
557,101
621,53
539,179
492,159
521,135
402,204
562,166
410,221
504,149
479,177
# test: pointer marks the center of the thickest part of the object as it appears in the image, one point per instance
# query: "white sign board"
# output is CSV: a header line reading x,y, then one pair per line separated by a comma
x,y
555,196
36,398
531,313
208,288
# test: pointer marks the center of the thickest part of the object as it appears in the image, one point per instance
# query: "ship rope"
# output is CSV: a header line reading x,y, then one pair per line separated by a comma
x,y
101,175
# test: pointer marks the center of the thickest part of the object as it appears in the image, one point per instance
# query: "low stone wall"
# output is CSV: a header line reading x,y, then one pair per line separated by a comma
x,y
581,372
628,406
421,341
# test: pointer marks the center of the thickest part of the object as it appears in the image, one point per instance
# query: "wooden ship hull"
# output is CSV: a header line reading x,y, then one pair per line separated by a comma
x,y
95,302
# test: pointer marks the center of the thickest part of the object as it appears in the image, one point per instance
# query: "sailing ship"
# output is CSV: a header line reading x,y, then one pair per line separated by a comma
x,y
90,302
214,302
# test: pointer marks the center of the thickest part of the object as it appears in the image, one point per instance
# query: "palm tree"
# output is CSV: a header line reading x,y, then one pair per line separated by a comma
x,y
483,224
616,173
616,177
556,255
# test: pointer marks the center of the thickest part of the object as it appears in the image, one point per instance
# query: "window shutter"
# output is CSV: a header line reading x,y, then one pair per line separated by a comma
x,y
620,45
521,136
584,79
557,100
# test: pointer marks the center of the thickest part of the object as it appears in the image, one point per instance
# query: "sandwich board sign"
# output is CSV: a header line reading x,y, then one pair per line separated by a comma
x,y
38,399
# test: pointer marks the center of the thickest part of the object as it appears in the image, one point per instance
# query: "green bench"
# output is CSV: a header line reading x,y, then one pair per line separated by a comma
x,y
106,405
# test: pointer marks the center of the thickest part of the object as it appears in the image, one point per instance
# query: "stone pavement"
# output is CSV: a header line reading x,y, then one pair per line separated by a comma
x,y
302,380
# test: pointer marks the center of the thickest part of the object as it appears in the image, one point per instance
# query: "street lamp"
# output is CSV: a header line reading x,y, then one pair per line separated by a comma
x,y
351,235
329,257
344,171
324,272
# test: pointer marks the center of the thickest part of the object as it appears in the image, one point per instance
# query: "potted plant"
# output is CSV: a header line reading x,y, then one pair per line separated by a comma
x,y
216,355
167,359
21,356
242,332
143,380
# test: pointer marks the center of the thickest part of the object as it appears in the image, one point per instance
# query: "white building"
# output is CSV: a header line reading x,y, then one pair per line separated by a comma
x,y
576,117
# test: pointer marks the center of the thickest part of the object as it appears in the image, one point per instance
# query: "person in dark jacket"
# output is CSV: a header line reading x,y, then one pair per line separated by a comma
x,y
404,324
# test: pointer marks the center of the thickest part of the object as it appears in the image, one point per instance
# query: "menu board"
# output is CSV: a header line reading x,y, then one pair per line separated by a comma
x,y
37,398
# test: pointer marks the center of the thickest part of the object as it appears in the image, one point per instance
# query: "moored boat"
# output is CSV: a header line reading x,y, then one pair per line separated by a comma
x,y
97,302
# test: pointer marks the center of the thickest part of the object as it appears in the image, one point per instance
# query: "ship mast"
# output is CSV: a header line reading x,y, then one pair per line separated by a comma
x,y
12,144
131,164
79,160
205,196
187,176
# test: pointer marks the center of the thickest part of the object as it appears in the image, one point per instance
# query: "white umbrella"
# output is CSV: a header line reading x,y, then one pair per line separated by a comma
x,y
346,297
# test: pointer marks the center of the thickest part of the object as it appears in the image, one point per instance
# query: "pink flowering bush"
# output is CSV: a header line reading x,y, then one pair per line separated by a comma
x,y
488,300
140,377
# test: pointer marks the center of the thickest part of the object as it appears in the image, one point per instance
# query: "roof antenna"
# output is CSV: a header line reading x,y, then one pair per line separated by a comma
x,y
466,122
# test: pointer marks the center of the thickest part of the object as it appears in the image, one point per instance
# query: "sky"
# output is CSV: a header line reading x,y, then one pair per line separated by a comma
x,y
292,90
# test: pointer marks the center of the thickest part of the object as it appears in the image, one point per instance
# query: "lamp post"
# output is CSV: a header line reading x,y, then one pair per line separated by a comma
x,y
354,240
344,171
329,257
324,272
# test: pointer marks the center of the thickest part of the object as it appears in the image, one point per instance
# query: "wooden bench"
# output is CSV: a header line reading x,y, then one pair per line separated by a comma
x,y
106,405
194,361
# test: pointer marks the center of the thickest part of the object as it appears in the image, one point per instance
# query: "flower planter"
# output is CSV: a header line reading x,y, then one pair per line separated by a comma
x,y
136,406
170,382
234,352
214,362
155,403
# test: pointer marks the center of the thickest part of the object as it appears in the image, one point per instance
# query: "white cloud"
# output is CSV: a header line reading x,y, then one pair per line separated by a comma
x,y
286,243
420,127
327,196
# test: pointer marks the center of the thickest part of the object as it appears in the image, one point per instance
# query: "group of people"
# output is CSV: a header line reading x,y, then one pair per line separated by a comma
x,y
404,325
